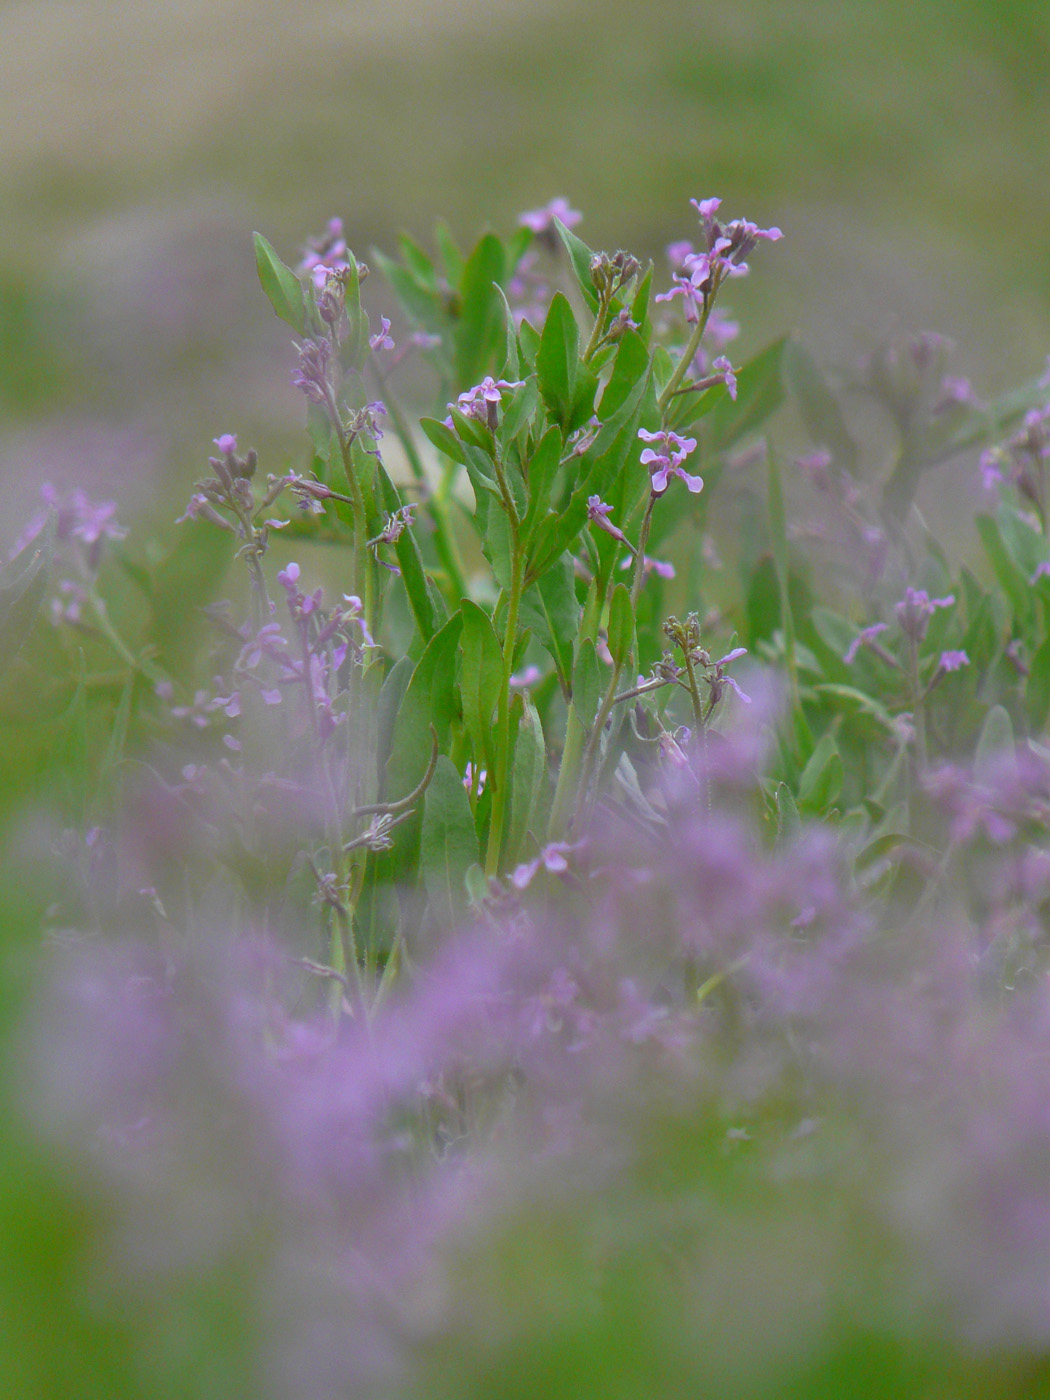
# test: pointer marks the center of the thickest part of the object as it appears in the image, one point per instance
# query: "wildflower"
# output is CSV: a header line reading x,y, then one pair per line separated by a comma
x,y
720,680
724,371
325,255
953,660
551,857
865,638
541,221
382,340
483,401
311,373
598,513
668,462
394,525
915,610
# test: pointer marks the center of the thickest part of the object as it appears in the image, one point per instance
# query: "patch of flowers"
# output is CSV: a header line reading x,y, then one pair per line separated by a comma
x,y
518,925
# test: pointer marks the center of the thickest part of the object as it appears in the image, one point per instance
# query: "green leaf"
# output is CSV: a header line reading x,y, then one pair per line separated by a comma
x,y
1037,689
481,679
821,780
580,256
1009,574
551,610
23,583
480,323
511,368
818,406
558,359
449,843
542,469
450,254
445,440
429,698
426,603
280,284
423,307
587,683
853,701
391,695
621,624
529,780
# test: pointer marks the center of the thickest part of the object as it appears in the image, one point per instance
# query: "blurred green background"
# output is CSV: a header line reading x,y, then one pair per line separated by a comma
x,y
903,150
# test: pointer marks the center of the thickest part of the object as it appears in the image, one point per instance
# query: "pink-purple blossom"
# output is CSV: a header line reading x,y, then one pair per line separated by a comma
x,y
665,460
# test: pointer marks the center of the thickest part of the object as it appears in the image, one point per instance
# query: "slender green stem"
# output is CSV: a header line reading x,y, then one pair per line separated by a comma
x,y
599,324
502,775
689,353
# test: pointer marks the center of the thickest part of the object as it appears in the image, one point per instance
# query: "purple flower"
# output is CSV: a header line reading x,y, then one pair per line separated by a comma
x,y
382,340
667,462
915,610
483,400
724,370
953,660
325,255
541,221
864,638
311,373
598,513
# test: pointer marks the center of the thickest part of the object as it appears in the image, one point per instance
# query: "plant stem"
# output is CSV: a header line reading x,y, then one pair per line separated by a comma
x,y
502,775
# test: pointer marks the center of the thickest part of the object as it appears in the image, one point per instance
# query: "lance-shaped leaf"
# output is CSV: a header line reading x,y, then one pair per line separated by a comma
x,y
449,843
551,610
558,359
481,677
477,332
23,583
280,284
581,257
529,777
587,683
621,624
426,603
821,780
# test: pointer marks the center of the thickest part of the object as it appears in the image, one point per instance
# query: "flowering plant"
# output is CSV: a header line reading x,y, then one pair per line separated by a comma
x,y
570,949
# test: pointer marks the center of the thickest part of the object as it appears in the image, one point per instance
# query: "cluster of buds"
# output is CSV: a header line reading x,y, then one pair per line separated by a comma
x,y
611,271
685,635
230,490
1021,461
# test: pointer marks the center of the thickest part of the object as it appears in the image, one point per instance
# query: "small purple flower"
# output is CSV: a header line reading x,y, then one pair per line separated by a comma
x,y
551,857
483,400
719,680
915,610
541,221
382,340
864,638
665,463
953,660
724,370
598,514
325,254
